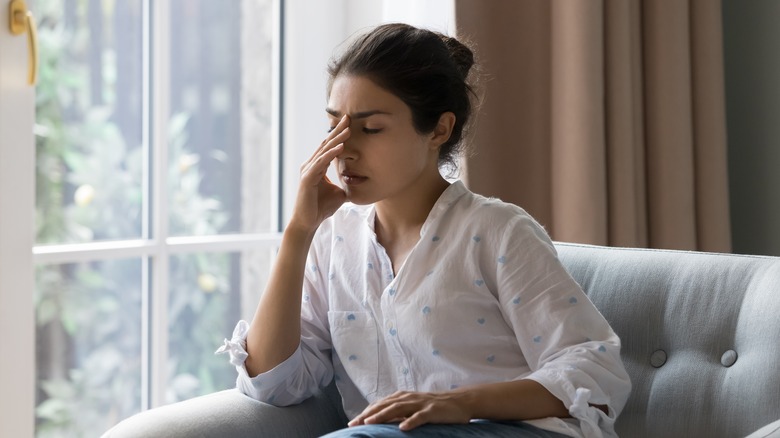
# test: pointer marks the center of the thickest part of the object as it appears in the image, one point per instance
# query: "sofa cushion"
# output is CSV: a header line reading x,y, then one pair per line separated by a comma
x,y
699,333
769,431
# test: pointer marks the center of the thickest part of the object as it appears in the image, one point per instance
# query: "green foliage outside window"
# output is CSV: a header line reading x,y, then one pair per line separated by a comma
x,y
90,187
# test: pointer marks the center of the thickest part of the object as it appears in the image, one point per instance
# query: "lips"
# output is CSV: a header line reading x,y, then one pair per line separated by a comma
x,y
352,178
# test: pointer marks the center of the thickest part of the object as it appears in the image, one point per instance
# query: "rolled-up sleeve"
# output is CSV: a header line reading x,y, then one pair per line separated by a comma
x,y
309,367
569,346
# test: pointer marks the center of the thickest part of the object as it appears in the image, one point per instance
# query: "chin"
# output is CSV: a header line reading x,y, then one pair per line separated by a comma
x,y
359,199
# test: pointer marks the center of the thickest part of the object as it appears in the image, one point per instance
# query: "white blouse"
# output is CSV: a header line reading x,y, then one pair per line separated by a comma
x,y
481,298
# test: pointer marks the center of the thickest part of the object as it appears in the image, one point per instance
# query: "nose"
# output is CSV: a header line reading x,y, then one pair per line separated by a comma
x,y
350,151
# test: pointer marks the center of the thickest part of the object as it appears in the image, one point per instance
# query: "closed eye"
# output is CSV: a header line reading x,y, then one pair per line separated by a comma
x,y
372,131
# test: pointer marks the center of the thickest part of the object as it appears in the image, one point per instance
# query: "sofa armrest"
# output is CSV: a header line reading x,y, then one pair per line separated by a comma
x,y
771,430
231,413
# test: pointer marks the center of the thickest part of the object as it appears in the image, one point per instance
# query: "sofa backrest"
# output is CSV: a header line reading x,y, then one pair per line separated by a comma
x,y
700,336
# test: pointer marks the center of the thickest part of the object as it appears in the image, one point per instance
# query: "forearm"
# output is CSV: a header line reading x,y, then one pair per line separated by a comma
x,y
515,400
505,401
275,331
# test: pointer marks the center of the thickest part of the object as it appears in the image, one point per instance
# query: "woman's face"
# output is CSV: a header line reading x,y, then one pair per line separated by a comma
x,y
384,157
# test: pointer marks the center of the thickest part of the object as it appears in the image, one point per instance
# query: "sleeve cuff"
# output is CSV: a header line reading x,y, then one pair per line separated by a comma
x,y
236,346
594,423
261,387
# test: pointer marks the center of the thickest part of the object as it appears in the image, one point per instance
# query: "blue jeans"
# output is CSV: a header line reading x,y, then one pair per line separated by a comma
x,y
475,429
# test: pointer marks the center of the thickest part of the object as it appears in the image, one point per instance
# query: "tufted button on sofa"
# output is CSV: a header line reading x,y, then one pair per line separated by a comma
x,y
701,342
700,334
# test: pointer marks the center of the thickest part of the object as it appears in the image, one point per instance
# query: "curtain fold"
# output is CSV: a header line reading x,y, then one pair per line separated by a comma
x,y
604,119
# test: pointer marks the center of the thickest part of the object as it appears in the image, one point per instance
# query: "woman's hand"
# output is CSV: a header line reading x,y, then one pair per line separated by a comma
x,y
414,409
318,198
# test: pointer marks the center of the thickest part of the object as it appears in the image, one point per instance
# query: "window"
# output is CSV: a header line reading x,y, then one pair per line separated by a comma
x,y
157,206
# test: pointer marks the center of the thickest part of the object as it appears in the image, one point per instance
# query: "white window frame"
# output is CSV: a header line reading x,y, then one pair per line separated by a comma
x,y
156,246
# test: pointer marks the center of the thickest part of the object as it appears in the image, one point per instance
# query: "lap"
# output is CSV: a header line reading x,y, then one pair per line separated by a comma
x,y
476,429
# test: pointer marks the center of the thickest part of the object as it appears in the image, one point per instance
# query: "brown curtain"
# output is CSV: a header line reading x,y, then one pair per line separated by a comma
x,y
604,119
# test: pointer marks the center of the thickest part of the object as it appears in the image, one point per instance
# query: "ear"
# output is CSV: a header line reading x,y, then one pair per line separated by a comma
x,y
443,129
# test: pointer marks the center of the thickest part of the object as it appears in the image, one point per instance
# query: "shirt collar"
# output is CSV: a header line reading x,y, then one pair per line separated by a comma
x,y
445,201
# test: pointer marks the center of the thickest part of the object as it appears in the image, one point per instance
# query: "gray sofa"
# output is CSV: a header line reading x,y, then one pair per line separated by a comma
x,y
701,341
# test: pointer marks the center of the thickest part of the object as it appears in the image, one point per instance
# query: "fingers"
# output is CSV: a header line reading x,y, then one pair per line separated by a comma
x,y
333,145
412,409
318,166
340,126
337,135
418,419
393,408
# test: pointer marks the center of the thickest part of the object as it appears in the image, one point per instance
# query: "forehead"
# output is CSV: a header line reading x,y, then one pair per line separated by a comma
x,y
355,94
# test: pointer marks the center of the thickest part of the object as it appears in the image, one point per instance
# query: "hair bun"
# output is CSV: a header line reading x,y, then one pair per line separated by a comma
x,y
462,55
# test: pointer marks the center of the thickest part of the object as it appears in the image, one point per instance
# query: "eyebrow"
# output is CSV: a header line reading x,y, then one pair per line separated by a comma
x,y
358,115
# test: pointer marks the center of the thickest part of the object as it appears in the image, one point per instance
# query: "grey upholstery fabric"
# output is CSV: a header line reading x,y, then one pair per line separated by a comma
x,y
232,414
768,431
693,307
701,342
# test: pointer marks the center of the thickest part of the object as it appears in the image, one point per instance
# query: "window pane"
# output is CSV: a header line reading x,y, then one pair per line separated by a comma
x,y
88,121
88,341
209,294
220,122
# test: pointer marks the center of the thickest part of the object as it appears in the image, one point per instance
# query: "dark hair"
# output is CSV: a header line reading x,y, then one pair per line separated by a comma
x,y
426,70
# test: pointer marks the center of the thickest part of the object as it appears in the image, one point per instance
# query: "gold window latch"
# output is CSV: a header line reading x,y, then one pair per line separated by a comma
x,y
20,21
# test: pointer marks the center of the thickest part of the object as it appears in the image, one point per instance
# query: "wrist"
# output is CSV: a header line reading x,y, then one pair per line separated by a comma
x,y
297,231
468,402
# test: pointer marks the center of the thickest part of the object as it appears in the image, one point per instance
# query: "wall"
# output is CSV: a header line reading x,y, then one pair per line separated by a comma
x,y
752,67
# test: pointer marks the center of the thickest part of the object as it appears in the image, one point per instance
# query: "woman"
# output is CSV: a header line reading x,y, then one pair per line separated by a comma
x,y
438,312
